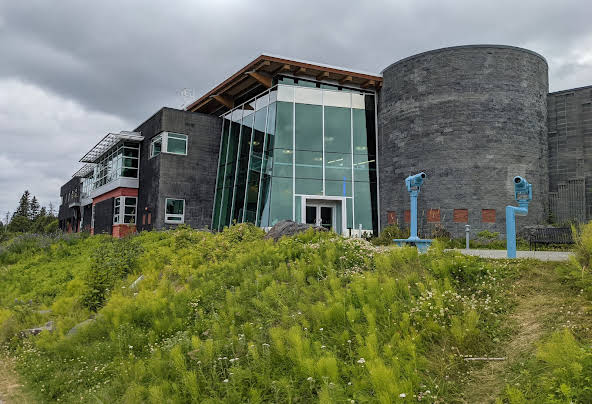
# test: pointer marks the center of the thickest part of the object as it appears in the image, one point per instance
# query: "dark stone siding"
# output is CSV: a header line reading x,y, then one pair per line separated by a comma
x,y
65,212
86,217
471,117
191,177
149,173
569,121
104,217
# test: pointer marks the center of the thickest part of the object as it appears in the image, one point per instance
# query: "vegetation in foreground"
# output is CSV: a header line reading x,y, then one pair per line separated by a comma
x,y
233,317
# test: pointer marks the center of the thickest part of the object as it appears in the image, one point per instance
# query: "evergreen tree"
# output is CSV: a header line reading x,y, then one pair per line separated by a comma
x,y
24,206
42,212
34,208
50,210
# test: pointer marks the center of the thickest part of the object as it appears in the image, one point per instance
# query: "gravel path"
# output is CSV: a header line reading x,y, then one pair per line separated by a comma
x,y
539,255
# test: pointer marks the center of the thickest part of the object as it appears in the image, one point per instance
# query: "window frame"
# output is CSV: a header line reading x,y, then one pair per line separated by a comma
x,y
167,215
164,143
120,217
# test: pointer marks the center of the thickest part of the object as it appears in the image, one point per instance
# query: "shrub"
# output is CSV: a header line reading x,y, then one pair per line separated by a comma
x,y
389,233
113,260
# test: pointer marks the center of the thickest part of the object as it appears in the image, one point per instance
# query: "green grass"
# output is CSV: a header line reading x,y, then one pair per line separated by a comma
x,y
233,317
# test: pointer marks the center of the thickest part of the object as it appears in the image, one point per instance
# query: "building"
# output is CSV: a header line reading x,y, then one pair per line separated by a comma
x,y
291,139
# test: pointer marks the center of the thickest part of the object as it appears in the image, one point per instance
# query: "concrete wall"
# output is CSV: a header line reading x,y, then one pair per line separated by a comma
x,y
104,217
471,117
569,121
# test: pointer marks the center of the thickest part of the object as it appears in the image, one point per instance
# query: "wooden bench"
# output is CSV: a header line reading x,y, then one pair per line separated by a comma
x,y
549,235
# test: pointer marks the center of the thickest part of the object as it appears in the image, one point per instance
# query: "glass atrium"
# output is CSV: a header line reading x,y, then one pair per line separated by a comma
x,y
303,151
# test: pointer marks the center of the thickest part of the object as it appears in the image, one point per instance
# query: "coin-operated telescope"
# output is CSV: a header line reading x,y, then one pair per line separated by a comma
x,y
523,195
413,184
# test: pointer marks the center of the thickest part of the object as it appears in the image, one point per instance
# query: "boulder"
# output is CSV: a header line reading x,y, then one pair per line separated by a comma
x,y
49,326
289,228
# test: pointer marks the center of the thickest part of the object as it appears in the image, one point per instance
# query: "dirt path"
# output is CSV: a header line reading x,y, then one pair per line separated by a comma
x,y
11,390
543,304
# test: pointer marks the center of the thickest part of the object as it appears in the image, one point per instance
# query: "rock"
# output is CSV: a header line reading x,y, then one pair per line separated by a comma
x,y
74,330
289,228
49,326
136,282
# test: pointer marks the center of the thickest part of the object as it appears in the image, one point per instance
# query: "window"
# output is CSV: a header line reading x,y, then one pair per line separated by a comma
x,y
167,142
124,210
120,161
156,146
176,143
174,210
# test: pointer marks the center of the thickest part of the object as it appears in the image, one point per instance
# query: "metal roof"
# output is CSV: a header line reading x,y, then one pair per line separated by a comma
x,y
110,140
84,170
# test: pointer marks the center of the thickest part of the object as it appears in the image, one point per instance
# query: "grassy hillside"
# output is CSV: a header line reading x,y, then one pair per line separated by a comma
x,y
233,317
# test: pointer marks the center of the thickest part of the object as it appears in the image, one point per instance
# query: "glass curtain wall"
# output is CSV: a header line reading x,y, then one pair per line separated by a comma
x,y
295,141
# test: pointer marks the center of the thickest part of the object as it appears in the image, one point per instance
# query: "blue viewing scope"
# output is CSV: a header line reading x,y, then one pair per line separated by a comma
x,y
522,189
415,181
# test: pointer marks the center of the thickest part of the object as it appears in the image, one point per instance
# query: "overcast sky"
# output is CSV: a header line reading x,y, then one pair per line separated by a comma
x,y
71,71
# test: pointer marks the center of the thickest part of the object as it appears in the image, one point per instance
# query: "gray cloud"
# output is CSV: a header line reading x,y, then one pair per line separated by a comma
x,y
80,69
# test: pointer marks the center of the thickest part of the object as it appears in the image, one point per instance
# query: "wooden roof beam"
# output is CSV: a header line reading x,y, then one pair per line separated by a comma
x,y
300,70
286,68
261,78
323,76
226,101
261,65
346,79
369,83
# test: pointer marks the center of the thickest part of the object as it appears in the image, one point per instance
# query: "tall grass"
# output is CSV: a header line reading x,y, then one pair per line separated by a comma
x,y
233,317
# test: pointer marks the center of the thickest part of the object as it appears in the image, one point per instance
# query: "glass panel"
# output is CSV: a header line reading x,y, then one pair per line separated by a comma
x,y
264,201
311,214
363,206
327,217
337,130
282,163
298,208
130,201
224,142
243,165
217,208
129,162
281,200
305,83
129,152
338,166
285,115
129,219
176,144
130,210
364,165
156,147
349,212
129,172
174,218
175,206
309,127
358,101
336,188
360,134
309,164
309,187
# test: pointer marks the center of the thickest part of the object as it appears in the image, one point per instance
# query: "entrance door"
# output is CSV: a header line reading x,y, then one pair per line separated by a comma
x,y
320,215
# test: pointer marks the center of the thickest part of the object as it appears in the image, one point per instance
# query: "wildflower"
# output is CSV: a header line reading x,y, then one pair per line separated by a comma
x,y
323,347
131,347
402,395
225,380
321,329
309,378
361,360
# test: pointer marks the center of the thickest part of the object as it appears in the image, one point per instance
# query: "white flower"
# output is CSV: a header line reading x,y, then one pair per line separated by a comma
x,y
131,347
225,380
323,347
309,378
402,395
361,360
321,329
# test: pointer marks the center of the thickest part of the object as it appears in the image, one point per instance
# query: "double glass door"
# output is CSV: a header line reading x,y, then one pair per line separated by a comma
x,y
320,215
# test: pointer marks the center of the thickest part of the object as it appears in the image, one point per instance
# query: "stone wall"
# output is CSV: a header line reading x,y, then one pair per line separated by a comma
x,y
471,118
